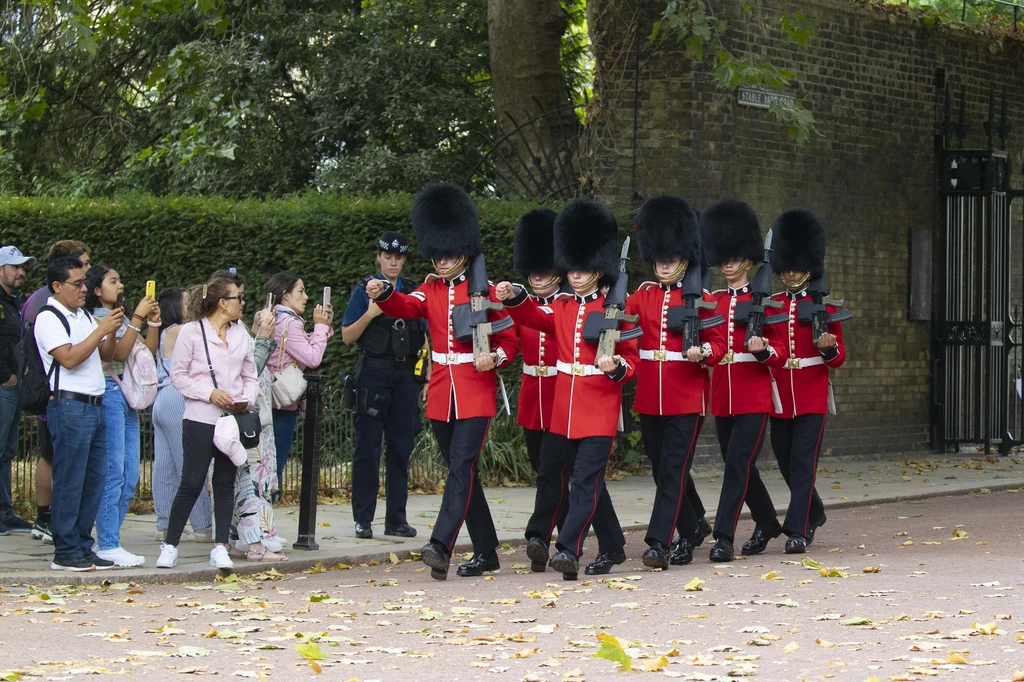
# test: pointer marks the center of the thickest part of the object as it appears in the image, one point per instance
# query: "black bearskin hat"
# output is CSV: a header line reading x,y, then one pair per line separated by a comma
x,y
586,238
533,249
446,222
730,229
666,228
798,243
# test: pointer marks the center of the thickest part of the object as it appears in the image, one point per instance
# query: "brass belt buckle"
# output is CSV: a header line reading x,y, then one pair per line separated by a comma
x,y
542,371
727,358
659,355
452,358
793,363
578,369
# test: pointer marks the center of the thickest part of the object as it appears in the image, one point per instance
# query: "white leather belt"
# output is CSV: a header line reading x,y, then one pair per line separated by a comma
x,y
451,358
538,370
578,369
731,358
663,355
800,363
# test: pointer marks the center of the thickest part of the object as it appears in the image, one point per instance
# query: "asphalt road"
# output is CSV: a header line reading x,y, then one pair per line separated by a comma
x,y
934,606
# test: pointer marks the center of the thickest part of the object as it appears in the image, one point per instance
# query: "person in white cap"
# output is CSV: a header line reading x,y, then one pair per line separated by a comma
x,y
12,277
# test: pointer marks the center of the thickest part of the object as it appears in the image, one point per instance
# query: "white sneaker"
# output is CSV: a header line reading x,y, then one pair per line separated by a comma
x,y
121,557
168,556
219,557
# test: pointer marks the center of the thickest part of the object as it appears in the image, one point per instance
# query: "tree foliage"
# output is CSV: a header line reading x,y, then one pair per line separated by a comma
x,y
239,98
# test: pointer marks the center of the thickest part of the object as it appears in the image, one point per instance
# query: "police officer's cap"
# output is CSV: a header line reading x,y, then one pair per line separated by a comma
x,y
393,242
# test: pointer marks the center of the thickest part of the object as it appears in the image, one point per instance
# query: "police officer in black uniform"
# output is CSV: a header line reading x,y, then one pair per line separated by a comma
x,y
387,390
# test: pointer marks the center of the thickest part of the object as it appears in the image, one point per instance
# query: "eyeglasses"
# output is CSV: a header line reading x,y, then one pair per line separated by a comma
x,y
240,298
77,284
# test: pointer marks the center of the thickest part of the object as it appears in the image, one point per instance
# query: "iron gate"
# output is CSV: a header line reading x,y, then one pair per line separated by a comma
x,y
976,357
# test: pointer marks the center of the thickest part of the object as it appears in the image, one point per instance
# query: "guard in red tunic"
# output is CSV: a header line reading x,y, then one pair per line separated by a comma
x,y
461,394
804,387
533,256
588,391
670,396
742,391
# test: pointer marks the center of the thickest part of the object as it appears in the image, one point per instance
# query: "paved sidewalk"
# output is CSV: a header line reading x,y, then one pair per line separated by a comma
x,y
840,484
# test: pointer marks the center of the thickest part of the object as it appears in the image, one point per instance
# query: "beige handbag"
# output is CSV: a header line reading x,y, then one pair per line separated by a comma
x,y
288,384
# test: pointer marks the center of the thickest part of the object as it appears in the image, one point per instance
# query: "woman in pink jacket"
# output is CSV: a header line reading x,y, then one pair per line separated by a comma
x,y
231,388
294,347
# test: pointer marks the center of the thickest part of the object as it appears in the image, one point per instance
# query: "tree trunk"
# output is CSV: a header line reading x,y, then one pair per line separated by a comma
x,y
537,161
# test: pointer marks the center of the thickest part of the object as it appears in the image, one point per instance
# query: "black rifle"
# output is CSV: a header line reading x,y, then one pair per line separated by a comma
x,y
604,327
820,300
761,297
470,319
685,319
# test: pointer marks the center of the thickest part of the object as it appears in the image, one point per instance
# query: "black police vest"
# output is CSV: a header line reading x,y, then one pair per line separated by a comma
x,y
390,337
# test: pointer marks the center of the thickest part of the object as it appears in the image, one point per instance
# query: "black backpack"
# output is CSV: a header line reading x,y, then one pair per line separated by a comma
x,y
33,379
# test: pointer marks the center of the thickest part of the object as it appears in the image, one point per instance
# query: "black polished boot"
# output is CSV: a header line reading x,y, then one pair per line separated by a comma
x,y
479,564
438,558
656,556
682,553
537,551
797,544
364,531
565,563
758,542
602,564
402,530
705,530
722,552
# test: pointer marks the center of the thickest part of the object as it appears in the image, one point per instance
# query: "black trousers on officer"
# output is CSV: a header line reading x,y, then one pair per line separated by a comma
x,y
797,444
402,425
551,504
741,438
670,441
553,473
461,442
589,501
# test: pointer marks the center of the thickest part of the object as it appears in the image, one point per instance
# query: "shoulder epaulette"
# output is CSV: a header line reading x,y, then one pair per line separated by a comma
x,y
644,286
717,292
432,277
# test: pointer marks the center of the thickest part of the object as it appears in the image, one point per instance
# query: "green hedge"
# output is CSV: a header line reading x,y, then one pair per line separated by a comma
x,y
176,240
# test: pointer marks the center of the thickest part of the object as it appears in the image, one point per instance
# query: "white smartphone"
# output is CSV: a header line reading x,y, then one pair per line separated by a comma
x,y
270,300
327,297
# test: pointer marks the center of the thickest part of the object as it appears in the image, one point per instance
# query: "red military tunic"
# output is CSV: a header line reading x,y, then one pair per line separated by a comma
x,y
587,402
741,384
667,383
537,389
805,389
453,378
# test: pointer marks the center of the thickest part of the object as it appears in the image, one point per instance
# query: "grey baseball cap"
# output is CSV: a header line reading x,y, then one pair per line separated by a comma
x,y
10,255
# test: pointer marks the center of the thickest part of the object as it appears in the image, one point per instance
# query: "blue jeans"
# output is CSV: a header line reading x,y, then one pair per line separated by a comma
x,y
284,433
79,473
10,417
122,466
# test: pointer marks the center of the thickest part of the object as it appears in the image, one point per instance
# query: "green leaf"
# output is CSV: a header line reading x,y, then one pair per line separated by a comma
x,y
309,651
808,562
611,650
855,621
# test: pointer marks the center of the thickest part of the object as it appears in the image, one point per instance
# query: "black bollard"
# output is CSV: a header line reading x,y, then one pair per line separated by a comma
x,y
311,442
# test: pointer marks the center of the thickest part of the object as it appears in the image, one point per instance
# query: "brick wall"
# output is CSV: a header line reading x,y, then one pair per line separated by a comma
x,y
870,80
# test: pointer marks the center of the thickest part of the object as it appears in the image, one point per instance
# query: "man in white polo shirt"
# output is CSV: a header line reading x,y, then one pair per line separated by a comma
x,y
75,412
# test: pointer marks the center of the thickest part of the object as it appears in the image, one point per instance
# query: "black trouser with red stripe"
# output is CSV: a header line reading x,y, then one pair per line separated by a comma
x,y
589,502
797,444
461,442
741,438
553,469
670,441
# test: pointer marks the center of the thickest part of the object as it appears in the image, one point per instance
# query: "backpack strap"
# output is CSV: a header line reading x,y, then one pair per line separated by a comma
x,y
54,365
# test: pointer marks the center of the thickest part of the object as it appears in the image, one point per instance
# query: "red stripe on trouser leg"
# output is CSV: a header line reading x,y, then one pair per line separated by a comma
x,y
814,476
469,496
746,483
682,479
593,509
561,497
